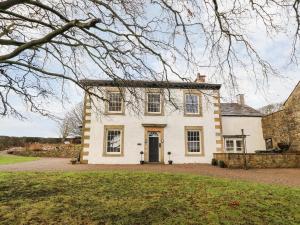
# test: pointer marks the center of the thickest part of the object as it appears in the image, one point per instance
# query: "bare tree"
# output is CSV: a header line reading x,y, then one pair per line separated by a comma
x,y
49,45
271,108
64,128
71,124
75,117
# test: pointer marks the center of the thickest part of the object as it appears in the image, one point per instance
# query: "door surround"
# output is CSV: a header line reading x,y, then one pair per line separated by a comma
x,y
160,130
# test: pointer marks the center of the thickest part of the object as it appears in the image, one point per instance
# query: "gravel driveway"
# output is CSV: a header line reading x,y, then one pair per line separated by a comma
x,y
288,177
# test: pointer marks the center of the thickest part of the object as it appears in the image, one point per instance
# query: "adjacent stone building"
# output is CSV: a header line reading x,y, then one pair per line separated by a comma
x,y
283,126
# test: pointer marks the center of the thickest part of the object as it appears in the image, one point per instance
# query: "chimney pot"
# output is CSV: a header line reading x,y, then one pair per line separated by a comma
x,y
200,78
241,99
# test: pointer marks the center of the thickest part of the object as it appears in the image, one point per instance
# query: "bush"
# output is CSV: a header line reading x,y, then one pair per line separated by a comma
x,y
222,164
214,162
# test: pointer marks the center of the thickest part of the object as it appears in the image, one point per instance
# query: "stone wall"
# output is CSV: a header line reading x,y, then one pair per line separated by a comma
x,y
292,113
47,150
275,127
268,160
284,125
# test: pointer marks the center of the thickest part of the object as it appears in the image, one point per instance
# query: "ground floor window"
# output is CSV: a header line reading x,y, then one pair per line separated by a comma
x,y
194,140
234,145
113,140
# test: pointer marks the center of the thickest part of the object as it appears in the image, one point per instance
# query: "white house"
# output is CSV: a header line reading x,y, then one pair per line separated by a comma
x,y
182,118
238,116
157,118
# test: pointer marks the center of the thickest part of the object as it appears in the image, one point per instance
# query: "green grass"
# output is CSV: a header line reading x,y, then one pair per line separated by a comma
x,y
142,198
9,159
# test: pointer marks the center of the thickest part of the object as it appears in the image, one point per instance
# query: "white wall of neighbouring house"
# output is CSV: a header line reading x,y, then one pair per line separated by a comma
x,y
134,132
252,126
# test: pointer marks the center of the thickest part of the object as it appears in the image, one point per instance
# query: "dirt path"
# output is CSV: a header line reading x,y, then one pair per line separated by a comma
x,y
288,177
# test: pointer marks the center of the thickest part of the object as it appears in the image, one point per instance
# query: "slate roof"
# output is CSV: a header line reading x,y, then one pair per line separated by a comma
x,y
235,109
150,84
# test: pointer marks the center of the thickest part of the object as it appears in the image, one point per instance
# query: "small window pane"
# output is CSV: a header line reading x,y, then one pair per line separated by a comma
x,y
115,102
113,141
153,103
193,141
229,145
192,104
239,145
269,143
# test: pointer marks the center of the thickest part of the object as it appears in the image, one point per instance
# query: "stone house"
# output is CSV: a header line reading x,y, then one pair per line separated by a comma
x,y
283,126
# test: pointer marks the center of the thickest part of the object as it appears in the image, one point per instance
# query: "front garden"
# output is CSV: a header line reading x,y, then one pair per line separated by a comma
x,y
10,159
142,198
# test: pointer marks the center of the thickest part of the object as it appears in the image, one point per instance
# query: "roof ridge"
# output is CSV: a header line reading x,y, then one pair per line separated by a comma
x,y
236,109
150,84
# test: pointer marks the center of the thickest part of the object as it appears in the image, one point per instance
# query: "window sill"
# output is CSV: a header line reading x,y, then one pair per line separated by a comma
x,y
112,155
153,114
115,113
192,115
196,154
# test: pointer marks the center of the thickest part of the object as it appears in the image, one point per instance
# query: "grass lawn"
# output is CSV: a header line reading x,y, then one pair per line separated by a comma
x,y
9,159
142,198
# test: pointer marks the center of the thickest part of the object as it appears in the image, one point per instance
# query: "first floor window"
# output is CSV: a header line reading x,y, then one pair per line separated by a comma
x,y
113,139
193,140
234,145
115,102
153,103
192,104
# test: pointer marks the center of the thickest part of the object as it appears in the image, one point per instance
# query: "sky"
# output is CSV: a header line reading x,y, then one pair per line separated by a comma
x,y
274,90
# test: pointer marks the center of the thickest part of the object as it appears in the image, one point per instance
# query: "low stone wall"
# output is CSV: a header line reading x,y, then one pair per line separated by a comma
x,y
265,160
58,151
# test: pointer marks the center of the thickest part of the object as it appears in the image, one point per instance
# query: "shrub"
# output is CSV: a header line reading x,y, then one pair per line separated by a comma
x,y
214,162
222,164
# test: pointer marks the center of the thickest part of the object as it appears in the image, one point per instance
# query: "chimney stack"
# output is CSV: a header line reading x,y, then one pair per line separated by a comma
x,y
241,99
200,78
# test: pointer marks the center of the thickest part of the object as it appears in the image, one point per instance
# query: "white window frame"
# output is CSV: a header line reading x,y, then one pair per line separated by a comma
x,y
147,103
198,96
198,102
201,140
107,110
234,145
108,128
226,147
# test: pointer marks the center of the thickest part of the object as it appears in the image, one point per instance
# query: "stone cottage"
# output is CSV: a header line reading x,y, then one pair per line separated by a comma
x,y
283,126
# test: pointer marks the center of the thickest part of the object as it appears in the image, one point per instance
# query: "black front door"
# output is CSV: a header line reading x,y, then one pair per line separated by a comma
x,y
153,147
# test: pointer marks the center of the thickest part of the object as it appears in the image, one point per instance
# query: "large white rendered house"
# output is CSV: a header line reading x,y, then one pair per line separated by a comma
x,y
182,118
156,118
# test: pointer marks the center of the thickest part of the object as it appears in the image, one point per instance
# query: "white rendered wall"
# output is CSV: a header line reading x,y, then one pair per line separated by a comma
x,y
174,137
232,125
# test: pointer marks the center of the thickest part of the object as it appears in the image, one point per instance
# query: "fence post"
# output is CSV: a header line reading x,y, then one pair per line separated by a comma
x,y
244,150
